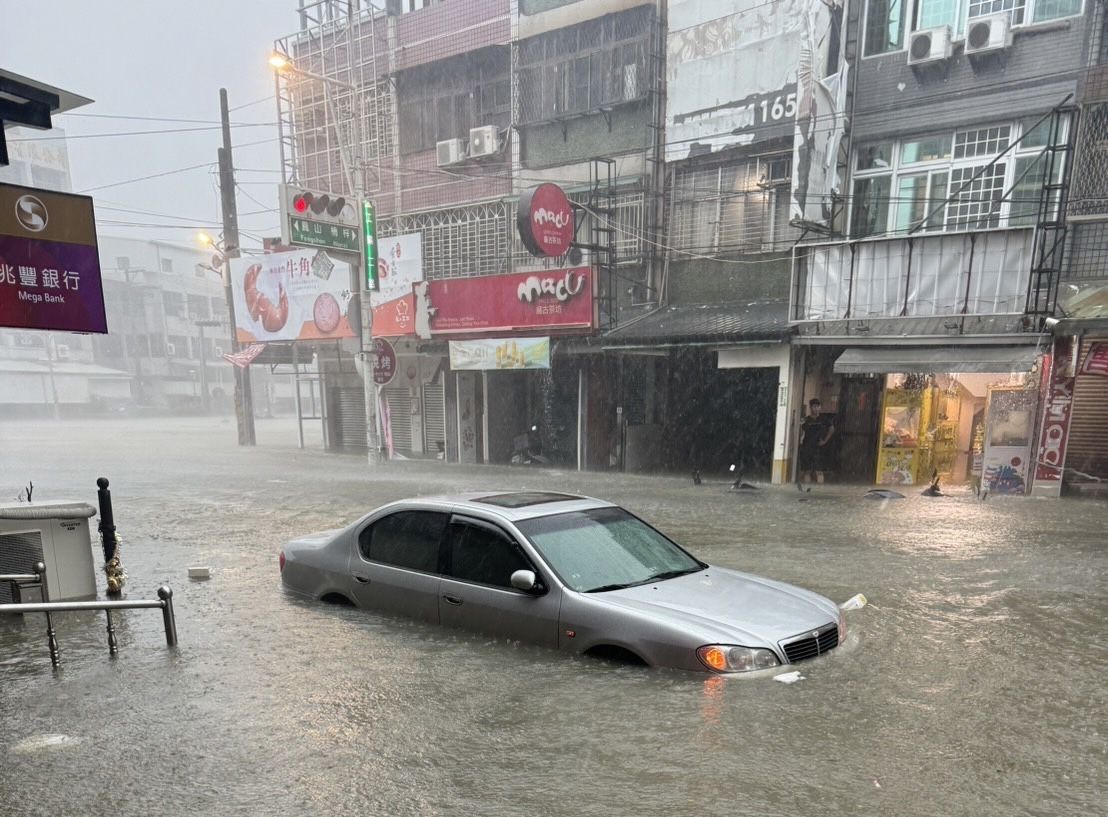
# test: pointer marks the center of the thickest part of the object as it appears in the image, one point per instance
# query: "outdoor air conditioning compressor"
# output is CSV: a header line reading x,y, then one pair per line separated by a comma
x,y
56,534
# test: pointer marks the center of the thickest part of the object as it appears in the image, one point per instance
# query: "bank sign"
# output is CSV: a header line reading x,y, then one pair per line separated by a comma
x,y
1057,412
49,263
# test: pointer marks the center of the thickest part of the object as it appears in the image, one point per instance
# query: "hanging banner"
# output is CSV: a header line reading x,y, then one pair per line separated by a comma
x,y
1057,411
49,262
510,353
245,356
1096,361
294,295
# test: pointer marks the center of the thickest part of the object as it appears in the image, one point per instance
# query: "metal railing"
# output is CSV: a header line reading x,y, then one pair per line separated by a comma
x,y
164,602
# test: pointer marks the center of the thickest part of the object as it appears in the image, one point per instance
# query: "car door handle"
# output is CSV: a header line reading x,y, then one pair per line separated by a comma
x,y
361,579
452,600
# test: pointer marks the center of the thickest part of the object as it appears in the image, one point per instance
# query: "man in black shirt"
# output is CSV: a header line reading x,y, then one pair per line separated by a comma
x,y
816,431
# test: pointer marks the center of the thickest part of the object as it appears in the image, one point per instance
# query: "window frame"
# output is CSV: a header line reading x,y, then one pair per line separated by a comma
x,y
912,17
899,170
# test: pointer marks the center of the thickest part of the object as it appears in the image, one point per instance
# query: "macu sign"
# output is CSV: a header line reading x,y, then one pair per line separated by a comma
x,y
544,218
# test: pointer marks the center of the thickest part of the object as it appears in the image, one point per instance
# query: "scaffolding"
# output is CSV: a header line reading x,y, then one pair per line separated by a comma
x,y
334,104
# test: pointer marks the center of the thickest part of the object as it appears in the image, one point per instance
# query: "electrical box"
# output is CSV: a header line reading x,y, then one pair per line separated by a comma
x,y
56,534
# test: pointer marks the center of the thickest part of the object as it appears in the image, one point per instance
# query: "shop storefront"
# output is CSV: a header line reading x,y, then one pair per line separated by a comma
x,y
962,414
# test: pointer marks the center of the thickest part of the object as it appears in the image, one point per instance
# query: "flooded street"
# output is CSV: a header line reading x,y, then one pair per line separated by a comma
x,y
972,684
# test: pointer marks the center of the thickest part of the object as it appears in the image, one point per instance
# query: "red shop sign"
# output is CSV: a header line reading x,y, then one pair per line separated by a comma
x,y
541,301
395,318
544,217
1057,411
384,364
1096,361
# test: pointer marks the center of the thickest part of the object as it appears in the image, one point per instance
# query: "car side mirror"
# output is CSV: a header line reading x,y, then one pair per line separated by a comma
x,y
526,580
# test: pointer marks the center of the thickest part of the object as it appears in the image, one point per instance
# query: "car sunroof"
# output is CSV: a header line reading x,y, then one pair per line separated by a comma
x,y
523,499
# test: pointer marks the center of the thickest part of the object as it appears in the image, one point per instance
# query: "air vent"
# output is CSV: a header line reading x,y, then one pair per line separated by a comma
x,y
990,34
929,46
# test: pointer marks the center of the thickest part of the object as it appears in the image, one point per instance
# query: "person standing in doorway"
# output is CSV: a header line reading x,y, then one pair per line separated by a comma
x,y
815,433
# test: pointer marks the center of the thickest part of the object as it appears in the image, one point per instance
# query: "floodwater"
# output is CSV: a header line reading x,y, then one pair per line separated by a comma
x,y
973,683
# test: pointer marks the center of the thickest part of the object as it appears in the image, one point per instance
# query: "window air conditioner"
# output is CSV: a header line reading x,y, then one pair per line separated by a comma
x,y
56,534
930,45
170,350
450,152
989,34
483,141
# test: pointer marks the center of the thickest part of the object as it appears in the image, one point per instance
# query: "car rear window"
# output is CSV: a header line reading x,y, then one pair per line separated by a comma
x,y
408,539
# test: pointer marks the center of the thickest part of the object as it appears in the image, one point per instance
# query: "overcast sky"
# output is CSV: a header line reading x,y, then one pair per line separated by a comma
x,y
165,60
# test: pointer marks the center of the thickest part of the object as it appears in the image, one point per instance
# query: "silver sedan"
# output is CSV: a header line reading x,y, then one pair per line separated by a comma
x,y
563,571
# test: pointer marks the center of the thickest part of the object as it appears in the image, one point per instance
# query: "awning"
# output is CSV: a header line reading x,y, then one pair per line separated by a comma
x,y
884,360
757,320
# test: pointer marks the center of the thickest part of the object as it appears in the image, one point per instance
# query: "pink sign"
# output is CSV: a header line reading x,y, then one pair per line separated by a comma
x,y
553,300
1057,411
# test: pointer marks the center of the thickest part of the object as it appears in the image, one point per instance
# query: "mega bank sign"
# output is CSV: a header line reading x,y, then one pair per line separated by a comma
x,y
551,301
49,263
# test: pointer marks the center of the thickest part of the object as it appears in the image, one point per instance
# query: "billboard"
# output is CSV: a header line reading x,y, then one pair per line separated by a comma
x,y
731,73
294,295
49,262
501,304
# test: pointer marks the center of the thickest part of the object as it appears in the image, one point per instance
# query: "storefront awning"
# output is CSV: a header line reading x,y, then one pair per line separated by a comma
x,y
758,320
883,360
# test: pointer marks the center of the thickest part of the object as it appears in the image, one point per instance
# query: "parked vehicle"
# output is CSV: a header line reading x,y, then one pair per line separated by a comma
x,y
568,572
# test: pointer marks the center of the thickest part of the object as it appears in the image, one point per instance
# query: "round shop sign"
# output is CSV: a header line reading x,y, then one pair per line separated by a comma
x,y
384,365
544,218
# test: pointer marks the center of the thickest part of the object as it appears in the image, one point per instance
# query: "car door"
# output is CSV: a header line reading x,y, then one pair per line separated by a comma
x,y
476,592
395,568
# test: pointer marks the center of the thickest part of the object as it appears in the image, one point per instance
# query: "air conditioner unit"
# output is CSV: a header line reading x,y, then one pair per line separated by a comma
x,y
989,34
62,350
450,152
929,46
484,141
56,534
170,350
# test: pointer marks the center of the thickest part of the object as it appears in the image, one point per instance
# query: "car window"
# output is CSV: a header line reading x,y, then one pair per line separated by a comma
x,y
483,555
408,539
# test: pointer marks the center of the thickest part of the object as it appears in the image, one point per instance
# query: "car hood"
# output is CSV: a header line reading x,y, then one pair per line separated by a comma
x,y
728,604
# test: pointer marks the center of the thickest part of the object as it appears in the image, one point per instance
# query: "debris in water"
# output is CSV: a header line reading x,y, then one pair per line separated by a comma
x,y
789,677
883,493
200,573
37,743
855,602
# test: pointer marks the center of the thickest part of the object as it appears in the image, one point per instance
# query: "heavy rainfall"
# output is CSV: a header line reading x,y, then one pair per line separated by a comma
x,y
815,288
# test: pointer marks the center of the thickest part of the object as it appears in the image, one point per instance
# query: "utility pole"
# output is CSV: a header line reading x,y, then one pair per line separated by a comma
x,y
244,400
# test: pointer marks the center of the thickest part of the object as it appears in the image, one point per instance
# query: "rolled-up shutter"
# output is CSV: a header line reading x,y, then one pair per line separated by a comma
x,y
1087,450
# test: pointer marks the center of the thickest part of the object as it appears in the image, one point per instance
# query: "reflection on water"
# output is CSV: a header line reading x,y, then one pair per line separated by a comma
x,y
968,686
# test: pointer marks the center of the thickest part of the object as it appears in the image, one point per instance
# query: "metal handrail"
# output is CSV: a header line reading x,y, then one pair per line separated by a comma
x,y
164,602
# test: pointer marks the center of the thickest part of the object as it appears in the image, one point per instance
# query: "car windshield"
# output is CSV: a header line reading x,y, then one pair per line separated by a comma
x,y
606,549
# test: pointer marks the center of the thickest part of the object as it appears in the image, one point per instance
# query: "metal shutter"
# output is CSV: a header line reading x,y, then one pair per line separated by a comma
x,y
400,415
348,412
1087,449
434,418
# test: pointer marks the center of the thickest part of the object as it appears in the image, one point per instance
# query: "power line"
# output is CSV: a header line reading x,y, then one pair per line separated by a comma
x,y
68,137
159,119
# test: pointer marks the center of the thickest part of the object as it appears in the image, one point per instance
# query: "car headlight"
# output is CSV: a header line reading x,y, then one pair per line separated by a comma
x,y
731,658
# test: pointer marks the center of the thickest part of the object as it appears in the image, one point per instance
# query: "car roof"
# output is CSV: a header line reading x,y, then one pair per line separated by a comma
x,y
514,506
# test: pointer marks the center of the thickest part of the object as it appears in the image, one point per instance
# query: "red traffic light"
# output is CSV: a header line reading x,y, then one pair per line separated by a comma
x,y
302,202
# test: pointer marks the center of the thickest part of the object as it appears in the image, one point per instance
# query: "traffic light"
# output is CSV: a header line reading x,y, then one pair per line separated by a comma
x,y
318,204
